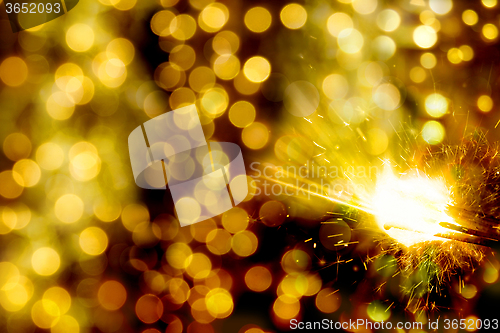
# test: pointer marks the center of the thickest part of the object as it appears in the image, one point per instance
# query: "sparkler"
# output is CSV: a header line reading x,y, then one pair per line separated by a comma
x,y
421,215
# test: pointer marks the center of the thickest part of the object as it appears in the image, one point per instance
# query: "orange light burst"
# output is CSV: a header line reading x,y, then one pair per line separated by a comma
x,y
410,208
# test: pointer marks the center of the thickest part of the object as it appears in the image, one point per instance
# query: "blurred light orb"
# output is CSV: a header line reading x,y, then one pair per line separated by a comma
x,y
182,57
258,19
424,36
60,297
337,22
13,71
13,217
133,215
328,300
490,31
85,166
489,3
65,73
65,324
272,213
490,274
485,103
384,47
199,266
433,132
124,5
59,106
467,52
181,97
45,314
350,41
114,67
335,86
112,295
214,102
436,105
258,278
178,289
160,23
470,17
219,241
12,184
149,308
235,220
286,307
441,7
15,298
189,209
454,55
293,285
388,20
226,66
428,60
219,303
201,79
226,42
112,72
45,261
122,49
8,220
244,243
364,7
293,16
370,73
93,241
178,255
378,311
244,86
240,184
257,69
301,98
16,146
183,27
428,17
469,291
80,37
197,4
255,136
295,261
213,17
387,96
69,208
242,114
29,171
9,275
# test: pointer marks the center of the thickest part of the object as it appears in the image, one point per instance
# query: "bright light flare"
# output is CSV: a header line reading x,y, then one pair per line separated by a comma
x,y
410,208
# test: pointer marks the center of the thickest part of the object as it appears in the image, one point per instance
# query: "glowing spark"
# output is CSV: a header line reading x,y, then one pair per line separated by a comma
x,y
411,208
319,145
